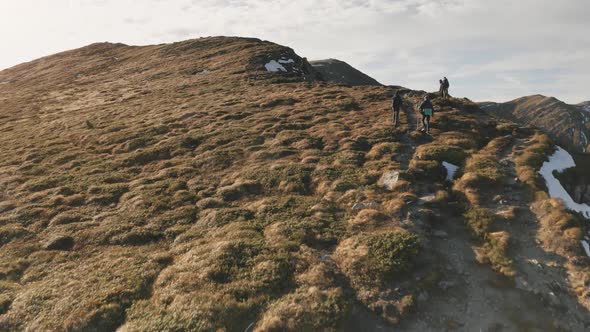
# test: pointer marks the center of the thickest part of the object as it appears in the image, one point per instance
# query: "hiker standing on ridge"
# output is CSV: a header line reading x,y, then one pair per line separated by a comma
x,y
396,104
427,110
441,89
445,87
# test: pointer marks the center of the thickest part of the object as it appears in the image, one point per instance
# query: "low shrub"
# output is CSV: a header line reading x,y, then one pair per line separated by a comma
x,y
479,221
391,253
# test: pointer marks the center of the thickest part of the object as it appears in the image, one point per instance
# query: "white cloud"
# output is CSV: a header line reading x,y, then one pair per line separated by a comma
x,y
489,50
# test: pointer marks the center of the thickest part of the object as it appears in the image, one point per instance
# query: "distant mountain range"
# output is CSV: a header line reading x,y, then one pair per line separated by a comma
x,y
567,124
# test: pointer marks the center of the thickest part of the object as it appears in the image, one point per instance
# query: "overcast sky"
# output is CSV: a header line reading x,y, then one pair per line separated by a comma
x,y
490,50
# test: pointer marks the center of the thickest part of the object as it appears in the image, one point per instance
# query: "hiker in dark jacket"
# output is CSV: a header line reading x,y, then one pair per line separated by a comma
x,y
427,110
396,104
446,87
441,89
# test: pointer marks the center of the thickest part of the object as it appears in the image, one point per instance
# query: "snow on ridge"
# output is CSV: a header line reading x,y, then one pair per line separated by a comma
x,y
560,161
274,66
286,61
451,170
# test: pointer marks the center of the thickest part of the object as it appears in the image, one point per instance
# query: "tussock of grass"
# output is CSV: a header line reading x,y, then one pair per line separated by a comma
x,y
386,135
391,253
66,218
440,153
369,258
368,218
494,251
12,232
43,183
239,189
494,244
530,161
67,305
426,169
486,167
479,221
291,178
372,261
232,273
307,309
560,230
106,194
387,149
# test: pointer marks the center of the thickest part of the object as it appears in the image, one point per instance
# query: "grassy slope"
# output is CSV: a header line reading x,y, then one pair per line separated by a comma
x,y
138,191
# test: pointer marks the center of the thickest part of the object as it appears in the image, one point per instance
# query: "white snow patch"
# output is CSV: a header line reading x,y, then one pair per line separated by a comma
x,y
274,66
560,161
584,140
451,170
586,247
286,61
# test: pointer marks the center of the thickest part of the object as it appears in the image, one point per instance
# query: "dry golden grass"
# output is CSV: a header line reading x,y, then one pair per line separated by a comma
x,y
494,252
560,232
532,158
373,260
222,185
183,187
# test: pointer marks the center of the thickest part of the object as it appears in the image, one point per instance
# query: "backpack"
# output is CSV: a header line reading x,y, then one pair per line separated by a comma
x,y
446,83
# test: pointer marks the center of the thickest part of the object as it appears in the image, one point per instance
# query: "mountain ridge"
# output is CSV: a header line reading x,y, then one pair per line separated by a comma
x,y
566,124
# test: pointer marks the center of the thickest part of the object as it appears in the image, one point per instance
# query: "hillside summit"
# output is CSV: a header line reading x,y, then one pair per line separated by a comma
x,y
341,72
221,184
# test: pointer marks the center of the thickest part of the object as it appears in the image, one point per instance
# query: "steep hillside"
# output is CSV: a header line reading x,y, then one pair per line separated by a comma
x,y
341,72
566,124
218,184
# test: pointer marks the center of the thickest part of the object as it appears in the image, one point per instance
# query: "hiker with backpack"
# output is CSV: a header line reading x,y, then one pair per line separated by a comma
x,y
396,104
445,83
427,110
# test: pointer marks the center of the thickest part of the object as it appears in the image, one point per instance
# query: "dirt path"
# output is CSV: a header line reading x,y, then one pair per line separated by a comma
x,y
472,297
411,117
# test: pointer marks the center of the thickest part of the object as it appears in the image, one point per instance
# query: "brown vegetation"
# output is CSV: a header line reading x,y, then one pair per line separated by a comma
x,y
183,187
